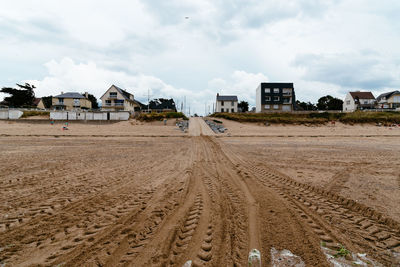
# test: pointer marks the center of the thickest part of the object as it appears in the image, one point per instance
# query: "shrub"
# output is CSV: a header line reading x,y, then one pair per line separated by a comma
x,y
30,113
313,117
160,116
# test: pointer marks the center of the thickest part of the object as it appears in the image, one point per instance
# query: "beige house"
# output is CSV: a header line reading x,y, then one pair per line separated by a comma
x,y
389,100
117,99
71,101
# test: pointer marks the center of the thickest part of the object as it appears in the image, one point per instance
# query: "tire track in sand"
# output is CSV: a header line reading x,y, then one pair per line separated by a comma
x,y
334,218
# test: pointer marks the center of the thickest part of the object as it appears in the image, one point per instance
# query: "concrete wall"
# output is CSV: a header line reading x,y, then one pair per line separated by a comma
x,y
10,114
258,99
101,116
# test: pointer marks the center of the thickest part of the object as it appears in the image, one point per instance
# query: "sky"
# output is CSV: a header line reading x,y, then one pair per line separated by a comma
x,y
196,49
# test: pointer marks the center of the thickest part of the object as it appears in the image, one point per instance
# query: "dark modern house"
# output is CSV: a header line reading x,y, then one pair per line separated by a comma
x,y
275,97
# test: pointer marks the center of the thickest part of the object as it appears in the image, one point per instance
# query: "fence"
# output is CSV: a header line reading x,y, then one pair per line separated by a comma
x,y
6,114
90,116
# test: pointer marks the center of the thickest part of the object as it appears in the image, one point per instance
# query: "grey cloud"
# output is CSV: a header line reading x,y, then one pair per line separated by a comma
x,y
365,69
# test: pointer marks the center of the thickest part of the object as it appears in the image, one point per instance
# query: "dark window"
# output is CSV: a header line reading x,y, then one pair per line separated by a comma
x,y
222,103
233,110
222,110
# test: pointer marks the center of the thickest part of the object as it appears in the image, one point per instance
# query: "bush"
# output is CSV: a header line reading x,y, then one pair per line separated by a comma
x,y
30,113
161,116
313,117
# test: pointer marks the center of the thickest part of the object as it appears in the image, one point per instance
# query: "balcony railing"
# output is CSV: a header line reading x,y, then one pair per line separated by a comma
x,y
114,104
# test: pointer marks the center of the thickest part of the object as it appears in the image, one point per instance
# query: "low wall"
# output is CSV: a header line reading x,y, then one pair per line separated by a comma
x,y
10,114
97,116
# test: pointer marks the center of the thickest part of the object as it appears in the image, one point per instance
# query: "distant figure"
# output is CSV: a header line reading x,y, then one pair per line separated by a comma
x,y
165,121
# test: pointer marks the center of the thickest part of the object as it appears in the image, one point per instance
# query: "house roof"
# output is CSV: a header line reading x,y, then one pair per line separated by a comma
x,y
362,95
387,95
70,95
227,98
36,101
125,94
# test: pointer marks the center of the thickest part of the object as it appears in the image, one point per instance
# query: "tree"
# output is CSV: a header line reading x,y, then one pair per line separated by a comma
x,y
329,103
47,101
19,97
305,106
93,99
244,106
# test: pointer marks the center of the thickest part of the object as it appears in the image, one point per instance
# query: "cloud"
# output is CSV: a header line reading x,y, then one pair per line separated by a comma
x,y
141,43
363,69
240,83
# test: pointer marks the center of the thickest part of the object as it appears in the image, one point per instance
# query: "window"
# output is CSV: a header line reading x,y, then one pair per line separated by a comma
x,y
233,110
222,110
348,102
76,102
61,101
365,101
267,90
276,90
267,107
276,98
119,102
113,94
286,100
267,98
286,91
108,102
222,103
233,103
276,106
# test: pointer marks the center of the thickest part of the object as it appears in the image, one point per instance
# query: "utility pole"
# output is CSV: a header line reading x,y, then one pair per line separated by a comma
x,y
148,100
184,105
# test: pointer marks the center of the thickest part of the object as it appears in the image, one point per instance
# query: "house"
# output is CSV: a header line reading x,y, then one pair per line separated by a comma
x,y
275,97
38,103
389,100
117,99
160,105
226,103
358,100
71,101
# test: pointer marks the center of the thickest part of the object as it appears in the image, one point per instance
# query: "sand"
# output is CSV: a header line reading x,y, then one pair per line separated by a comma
x,y
135,194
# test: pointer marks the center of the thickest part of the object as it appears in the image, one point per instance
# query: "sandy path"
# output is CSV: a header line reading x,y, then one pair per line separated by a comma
x,y
198,127
148,201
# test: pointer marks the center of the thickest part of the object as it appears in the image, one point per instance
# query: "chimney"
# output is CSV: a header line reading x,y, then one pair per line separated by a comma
x,y
86,95
62,92
217,94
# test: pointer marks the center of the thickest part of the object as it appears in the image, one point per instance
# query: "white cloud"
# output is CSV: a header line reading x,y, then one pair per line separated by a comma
x,y
140,44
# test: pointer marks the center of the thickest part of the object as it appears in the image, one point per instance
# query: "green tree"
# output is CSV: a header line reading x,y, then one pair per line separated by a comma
x,y
21,97
244,106
305,105
329,103
93,99
47,101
